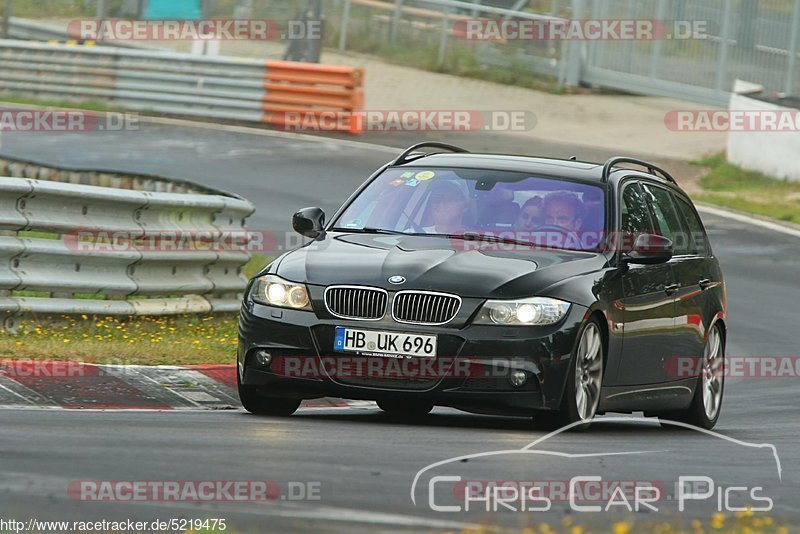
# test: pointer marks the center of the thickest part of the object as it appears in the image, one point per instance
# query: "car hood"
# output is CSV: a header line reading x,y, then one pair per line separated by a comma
x,y
486,270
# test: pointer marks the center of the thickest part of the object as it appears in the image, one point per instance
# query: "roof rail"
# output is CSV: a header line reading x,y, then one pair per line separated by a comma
x,y
405,157
652,169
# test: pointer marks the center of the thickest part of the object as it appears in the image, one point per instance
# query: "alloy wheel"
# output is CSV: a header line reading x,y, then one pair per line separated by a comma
x,y
713,371
588,372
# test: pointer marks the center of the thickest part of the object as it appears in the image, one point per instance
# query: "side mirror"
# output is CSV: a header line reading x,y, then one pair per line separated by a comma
x,y
309,222
649,249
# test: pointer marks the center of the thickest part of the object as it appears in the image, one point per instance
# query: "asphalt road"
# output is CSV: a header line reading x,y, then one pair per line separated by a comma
x,y
363,464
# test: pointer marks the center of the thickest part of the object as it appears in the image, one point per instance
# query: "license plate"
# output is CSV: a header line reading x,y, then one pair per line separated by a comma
x,y
368,342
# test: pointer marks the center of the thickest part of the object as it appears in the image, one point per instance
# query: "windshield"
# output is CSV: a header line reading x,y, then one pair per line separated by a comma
x,y
514,206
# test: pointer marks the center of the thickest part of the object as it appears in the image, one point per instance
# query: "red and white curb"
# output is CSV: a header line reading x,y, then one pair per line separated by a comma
x,y
76,385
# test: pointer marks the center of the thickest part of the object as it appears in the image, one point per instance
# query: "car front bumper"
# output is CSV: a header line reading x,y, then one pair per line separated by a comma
x,y
471,370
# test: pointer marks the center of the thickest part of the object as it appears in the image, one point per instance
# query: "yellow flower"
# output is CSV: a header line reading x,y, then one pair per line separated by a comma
x,y
621,527
745,513
717,521
577,529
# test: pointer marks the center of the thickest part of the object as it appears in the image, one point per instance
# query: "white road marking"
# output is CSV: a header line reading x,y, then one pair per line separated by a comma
x,y
753,221
22,483
200,396
269,133
28,395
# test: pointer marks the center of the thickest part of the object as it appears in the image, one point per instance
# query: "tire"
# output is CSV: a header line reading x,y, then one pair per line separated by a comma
x,y
258,404
405,409
706,404
584,382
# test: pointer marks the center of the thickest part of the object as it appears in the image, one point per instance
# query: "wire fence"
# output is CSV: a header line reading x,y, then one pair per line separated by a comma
x,y
753,40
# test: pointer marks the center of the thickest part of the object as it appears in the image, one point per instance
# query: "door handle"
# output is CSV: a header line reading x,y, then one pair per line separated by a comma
x,y
671,289
704,284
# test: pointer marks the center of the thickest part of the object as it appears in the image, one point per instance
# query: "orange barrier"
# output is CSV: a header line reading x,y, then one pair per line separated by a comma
x,y
312,91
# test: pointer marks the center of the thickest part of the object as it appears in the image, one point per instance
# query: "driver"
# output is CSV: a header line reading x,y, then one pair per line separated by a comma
x,y
447,205
563,209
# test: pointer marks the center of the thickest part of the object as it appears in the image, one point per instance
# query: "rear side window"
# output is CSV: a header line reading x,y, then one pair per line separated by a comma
x,y
668,221
697,240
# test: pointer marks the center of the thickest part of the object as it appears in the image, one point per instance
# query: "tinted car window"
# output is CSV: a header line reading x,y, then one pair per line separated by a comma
x,y
635,217
454,201
667,220
697,240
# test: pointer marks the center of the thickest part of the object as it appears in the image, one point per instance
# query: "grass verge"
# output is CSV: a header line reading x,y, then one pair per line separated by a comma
x,y
90,105
169,340
730,186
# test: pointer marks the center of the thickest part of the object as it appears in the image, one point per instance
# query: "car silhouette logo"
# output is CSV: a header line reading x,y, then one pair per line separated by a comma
x,y
397,279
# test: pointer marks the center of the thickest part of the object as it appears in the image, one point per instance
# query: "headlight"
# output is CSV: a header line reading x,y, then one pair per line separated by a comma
x,y
523,312
274,291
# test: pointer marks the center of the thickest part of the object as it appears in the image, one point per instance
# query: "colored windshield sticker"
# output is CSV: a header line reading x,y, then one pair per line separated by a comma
x,y
397,183
425,175
407,174
412,182
355,223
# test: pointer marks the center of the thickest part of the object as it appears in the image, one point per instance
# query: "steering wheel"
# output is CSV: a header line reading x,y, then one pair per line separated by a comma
x,y
551,228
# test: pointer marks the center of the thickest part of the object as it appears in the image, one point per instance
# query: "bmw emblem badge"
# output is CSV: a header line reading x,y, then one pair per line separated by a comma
x,y
397,279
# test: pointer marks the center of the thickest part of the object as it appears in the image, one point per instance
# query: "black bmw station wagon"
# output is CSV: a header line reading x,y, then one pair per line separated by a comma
x,y
498,284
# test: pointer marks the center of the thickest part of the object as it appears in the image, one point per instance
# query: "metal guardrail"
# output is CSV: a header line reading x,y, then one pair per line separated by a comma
x,y
179,84
32,30
751,41
43,250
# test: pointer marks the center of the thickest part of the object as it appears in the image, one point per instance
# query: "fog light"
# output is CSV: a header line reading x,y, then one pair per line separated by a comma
x,y
518,378
263,357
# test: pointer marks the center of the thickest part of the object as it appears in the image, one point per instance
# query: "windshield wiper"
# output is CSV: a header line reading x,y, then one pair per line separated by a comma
x,y
370,230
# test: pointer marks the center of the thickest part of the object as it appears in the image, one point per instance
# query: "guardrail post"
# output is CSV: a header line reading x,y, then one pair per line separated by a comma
x,y
398,11
575,54
443,37
6,14
101,15
795,42
658,45
345,21
598,12
725,34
